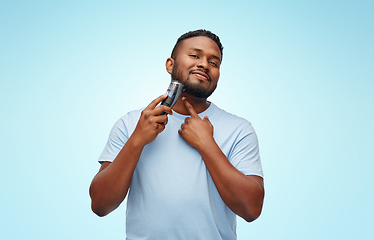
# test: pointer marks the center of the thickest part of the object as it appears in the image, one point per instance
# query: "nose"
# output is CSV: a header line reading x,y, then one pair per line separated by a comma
x,y
203,63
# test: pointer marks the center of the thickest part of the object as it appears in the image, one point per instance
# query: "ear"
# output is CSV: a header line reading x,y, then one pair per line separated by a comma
x,y
169,65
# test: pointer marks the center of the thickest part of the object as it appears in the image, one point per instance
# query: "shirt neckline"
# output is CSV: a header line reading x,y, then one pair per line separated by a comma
x,y
208,112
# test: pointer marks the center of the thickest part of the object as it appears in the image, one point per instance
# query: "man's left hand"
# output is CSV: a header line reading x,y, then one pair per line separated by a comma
x,y
195,131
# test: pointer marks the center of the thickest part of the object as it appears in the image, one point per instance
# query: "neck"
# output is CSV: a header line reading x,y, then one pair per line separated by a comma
x,y
199,104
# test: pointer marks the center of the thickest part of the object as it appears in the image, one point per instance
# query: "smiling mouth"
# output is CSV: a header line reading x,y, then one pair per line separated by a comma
x,y
201,75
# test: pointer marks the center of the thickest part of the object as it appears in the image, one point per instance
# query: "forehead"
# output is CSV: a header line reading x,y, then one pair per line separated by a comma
x,y
205,44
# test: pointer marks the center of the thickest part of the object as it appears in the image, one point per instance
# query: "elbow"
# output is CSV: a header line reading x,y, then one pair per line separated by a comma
x,y
100,213
98,210
102,205
253,210
252,215
97,204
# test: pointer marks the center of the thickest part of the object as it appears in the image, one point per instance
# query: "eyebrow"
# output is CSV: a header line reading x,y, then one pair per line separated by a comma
x,y
199,50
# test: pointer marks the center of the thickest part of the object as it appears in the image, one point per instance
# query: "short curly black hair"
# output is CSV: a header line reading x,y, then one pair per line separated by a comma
x,y
198,33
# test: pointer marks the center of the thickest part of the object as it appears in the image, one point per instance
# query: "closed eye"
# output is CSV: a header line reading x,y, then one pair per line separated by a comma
x,y
194,56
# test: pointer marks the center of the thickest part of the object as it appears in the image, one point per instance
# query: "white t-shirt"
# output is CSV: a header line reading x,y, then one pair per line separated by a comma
x,y
172,195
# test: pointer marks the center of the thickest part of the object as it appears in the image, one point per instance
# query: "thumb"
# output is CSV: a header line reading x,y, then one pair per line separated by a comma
x,y
206,119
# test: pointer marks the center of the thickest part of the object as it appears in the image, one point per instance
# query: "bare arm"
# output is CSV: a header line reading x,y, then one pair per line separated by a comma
x,y
242,194
110,185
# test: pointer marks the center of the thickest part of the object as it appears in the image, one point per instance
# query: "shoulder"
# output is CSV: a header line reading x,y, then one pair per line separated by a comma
x,y
221,116
130,117
127,123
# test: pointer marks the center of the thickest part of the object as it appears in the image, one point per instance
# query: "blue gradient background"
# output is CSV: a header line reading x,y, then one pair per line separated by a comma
x,y
300,71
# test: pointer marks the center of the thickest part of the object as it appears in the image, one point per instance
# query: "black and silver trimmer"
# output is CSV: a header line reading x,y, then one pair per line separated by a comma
x,y
174,91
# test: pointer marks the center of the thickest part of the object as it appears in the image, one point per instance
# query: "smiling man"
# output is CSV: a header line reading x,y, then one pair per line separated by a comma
x,y
187,174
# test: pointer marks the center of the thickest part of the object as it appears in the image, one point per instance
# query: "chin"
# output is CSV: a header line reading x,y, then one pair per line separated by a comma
x,y
197,91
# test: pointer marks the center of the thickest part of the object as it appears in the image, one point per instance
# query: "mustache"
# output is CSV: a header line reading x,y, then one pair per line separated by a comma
x,y
203,72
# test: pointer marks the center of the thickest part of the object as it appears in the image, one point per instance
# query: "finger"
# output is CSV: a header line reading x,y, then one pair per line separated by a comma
x,y
156,101
158,119
160,127
206,119
190,108
162,119
180,131
162,109
187,119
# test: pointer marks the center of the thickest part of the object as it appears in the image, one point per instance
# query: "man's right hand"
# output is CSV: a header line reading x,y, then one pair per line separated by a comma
x,y
151,123
109,187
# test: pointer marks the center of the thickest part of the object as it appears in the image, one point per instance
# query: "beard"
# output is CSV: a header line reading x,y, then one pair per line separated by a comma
x,y
193,89
196,89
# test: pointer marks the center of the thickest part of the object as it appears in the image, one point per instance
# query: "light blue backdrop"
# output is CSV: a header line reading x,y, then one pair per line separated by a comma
x,y
300,71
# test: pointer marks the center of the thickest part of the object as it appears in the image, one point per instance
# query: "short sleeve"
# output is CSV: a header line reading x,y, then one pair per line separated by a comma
x,y
117,138
245,154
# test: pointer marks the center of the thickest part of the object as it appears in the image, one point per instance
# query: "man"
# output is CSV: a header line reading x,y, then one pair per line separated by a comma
x,y
190,172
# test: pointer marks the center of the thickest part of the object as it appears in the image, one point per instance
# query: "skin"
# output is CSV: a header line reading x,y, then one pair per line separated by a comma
x,y
196,62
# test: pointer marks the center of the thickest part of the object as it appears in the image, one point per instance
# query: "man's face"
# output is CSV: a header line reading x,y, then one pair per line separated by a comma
x,y
196,64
